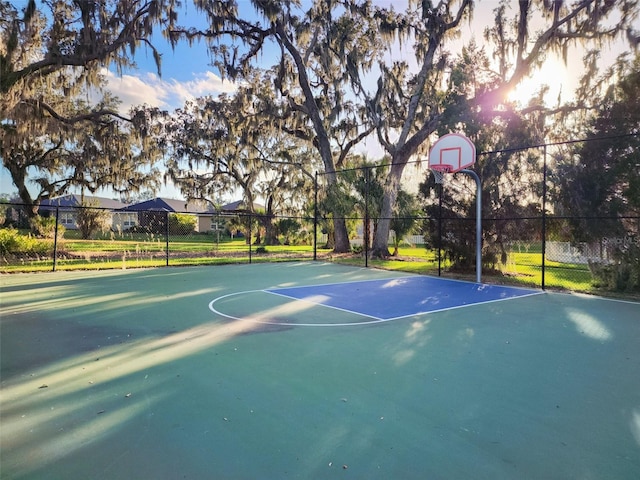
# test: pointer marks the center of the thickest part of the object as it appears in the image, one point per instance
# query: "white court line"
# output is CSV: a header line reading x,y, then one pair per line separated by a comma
x,y
588,296
413,277
467,305
214,310
375,320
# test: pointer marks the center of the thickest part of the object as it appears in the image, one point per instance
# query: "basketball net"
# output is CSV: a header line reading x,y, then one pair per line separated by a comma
x,y
438,173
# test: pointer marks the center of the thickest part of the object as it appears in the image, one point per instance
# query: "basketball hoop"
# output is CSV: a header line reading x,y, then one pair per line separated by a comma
x,y
450,154
456,153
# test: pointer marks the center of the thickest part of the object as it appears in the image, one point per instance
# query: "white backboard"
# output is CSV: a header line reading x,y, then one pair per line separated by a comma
x,y
452,153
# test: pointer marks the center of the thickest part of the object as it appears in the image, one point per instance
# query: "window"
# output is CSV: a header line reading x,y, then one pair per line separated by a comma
x,y
129,220
66,218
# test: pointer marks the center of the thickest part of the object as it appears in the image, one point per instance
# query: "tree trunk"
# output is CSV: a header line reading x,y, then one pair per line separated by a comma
x,y
270,232
321,141
19,176
330,239
381,237
341,237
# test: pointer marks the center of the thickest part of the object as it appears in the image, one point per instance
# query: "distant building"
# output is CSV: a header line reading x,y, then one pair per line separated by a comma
x,y
151,213
148,214
240,206
213,221
68,206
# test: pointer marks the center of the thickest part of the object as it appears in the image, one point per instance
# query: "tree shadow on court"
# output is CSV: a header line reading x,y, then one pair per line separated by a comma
x,y
55,410
536,387
52,409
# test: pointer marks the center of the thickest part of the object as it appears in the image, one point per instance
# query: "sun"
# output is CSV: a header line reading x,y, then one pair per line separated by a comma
x,y
552,77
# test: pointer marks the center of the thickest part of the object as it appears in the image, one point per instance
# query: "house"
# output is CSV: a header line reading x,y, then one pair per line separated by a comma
x,y
150,213
67,207
212,220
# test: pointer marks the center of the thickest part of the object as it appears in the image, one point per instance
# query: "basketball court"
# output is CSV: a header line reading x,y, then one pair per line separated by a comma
x,y
312,370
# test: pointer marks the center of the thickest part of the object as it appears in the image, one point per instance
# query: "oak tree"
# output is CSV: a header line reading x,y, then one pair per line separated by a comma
x,y
307,48
407,106
51,56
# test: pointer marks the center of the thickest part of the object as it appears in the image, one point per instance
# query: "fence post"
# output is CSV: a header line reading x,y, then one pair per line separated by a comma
x,y
55,240
544,212
315,217
365,229
250,232
166,235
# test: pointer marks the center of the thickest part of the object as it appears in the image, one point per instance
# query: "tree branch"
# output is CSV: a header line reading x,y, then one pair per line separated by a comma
x,y
94,116
54,61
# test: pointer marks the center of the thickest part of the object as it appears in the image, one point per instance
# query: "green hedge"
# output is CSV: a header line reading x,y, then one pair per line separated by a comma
x,y
12,242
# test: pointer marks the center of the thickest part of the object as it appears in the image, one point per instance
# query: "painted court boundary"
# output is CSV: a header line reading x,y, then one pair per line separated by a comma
x,y
385,300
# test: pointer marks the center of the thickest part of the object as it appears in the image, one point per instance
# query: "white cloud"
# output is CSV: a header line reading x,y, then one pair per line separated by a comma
x,y
150,89
207,83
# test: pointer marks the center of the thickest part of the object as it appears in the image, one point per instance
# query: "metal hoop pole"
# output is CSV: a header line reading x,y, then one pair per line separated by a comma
x,y
440,230
478,223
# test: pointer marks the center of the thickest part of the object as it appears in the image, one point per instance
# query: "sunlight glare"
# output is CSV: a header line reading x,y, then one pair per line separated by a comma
x,y
295,306
635,425
394,282
589,325
403,356
40,423
553,74
52,446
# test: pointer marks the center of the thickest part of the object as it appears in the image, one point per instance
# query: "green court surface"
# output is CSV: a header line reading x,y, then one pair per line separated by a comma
x,y
131,375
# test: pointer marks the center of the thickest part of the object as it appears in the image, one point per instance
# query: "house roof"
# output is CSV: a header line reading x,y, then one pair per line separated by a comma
x,y
155,204
171,205
240,205
74,200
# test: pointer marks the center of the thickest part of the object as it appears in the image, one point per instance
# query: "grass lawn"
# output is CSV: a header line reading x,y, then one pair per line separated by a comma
x,y
522,268
140,250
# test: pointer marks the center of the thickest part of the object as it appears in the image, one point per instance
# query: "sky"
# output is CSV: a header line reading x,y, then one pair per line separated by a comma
x,y
187,74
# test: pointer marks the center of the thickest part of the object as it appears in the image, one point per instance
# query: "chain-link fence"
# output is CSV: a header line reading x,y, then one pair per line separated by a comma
x,y
533,251
538,228
76,237
545,222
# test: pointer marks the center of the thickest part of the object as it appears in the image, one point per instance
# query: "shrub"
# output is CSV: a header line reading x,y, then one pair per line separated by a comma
x,y
302,237
45,227
622,276
287,227
181,224
13,243
138,229
9,241
91,220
